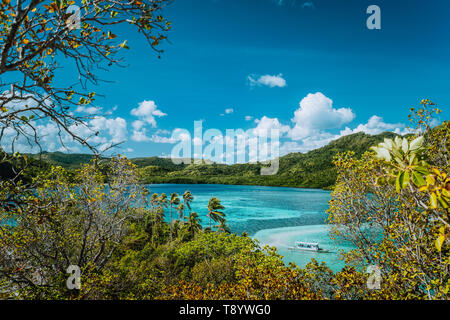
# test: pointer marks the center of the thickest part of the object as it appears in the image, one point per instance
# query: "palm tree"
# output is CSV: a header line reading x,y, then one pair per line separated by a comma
x,y
162,201
159,215
174,201
180,209
176,227
145,193
158,219
193,224
187,198
222,227
154,200
214,206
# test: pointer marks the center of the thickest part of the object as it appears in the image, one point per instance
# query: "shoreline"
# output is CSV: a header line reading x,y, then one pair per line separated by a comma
x,y
236,184
252,217
283,238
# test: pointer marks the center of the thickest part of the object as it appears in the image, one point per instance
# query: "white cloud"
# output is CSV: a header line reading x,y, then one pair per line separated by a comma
x,y
376,125
308,143
289,146
138,124
19,104
308,4
89,110
265,124
181,135
110,112
146,111
117,128
197,141
99,131
160,139
313,121
51,138
227,111
317,141
316,113
162,131
268,80
140,135
319,138
248,118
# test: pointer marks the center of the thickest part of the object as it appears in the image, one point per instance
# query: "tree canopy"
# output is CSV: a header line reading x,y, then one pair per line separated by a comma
x,y
38,37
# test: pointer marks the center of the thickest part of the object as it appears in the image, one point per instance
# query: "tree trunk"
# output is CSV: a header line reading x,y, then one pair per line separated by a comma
x,y
170,222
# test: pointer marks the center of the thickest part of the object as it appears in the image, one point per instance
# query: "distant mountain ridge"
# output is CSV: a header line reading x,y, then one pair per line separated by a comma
x,y
313,169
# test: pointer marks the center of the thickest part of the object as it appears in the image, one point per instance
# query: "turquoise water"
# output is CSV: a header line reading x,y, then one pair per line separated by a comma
x,y
283,238
275,216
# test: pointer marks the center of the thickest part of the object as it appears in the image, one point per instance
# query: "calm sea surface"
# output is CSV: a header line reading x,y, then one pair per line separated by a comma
x,y
276,216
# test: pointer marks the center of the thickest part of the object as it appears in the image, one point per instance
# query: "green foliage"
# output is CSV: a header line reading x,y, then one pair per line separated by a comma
x,y
65,221
214,206
67,161
393,206
115,231
404,160
392,203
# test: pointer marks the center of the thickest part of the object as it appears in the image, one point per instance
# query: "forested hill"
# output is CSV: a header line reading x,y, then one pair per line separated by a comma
x,y
313,169
65,160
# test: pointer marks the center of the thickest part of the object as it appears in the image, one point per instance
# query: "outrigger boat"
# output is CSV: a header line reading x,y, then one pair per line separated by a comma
x,y
307,246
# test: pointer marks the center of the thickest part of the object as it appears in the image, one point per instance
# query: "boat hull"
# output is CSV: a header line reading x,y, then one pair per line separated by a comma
x,y
308,250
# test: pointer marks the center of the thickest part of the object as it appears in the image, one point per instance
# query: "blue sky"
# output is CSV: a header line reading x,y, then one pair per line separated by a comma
x,y
249,63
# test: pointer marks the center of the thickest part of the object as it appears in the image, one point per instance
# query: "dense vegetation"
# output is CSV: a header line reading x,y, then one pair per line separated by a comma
x,y
394,206
116,232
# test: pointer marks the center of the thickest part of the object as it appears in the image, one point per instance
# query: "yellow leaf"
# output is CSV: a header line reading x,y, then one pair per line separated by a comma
x,y
439,241
430,180
433,201
111,35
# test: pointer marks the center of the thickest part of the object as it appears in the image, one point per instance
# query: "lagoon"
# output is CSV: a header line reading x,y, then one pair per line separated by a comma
x,y
276,216
283,238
